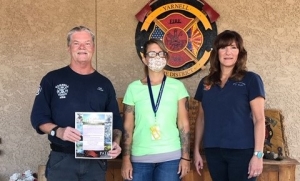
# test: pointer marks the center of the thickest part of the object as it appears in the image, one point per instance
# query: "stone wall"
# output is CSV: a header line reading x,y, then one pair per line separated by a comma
x,y
33,42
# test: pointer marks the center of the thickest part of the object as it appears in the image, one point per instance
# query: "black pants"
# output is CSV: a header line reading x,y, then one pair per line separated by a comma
x,y
64,167
229,164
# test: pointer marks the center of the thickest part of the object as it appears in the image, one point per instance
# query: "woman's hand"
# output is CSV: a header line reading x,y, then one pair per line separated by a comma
x,y
198,162
184,167
126,169
255,167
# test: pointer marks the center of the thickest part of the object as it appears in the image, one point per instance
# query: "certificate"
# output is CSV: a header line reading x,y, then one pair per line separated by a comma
x,y
96,131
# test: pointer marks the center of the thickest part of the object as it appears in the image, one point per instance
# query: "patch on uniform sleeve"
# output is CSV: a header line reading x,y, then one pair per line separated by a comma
x,y
38,91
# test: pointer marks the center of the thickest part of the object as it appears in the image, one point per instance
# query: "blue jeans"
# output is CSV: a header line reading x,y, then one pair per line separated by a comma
x,y
164,171
228,164
64,166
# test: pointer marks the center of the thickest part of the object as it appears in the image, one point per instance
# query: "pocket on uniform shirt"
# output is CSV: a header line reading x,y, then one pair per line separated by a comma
x,y
97,101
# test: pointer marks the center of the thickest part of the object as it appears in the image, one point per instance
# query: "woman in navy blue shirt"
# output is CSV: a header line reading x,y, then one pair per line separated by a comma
x,y
231,118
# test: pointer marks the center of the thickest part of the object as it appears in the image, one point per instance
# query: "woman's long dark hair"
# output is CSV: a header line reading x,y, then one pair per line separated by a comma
x,y
224,39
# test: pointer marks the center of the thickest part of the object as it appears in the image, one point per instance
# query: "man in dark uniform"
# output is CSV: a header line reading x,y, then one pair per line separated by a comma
x,y
77,87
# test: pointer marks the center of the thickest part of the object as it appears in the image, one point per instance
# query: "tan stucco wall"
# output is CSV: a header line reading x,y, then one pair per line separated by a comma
x,y
33,42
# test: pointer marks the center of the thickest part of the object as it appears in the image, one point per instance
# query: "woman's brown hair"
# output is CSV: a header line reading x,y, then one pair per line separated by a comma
x,y
224,39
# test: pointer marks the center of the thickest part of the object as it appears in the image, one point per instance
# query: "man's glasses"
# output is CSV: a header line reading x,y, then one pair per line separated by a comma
x,y
153,54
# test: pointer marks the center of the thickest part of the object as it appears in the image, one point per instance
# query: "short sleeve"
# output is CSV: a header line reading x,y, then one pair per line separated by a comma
x,y
182,91
255,87
199,91
128,97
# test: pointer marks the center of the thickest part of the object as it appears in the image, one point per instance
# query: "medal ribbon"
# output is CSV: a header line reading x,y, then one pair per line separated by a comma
x,y
155,106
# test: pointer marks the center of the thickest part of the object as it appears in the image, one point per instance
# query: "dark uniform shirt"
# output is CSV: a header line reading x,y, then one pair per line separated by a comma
x,y
228,121
63,92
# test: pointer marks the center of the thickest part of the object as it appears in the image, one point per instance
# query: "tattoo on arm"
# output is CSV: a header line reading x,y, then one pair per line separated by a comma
x,y
128,109
187,107
117,134
127,138
126,147
185,141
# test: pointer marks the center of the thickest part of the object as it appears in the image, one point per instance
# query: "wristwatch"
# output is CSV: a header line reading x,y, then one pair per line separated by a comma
x,y
53,131
259,154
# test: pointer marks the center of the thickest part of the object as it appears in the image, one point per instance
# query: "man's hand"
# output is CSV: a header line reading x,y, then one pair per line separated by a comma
x,y
68,134
115,151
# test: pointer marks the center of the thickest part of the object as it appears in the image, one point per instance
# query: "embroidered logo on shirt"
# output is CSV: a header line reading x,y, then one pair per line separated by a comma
x,y
100,89
62,90
38,91
240,84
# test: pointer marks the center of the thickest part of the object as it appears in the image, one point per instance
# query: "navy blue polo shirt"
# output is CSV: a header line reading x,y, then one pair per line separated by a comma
x,y
228,119
63,92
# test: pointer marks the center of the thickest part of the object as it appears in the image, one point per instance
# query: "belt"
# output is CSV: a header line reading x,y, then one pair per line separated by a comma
x,y
58,148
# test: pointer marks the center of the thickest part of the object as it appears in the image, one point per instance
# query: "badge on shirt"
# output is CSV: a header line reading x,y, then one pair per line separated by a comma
x,y
155,132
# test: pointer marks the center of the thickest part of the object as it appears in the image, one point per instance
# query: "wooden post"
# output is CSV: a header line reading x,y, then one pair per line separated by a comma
x,y
287,172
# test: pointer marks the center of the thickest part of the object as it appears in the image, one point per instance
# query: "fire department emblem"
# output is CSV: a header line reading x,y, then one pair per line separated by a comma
x,y
62,90
187,29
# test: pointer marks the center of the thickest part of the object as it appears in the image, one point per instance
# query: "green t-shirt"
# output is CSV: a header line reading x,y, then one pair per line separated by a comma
x,y
137,94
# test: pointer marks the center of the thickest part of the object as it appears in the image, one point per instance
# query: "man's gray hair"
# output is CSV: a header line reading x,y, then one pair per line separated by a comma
x,y
77,29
